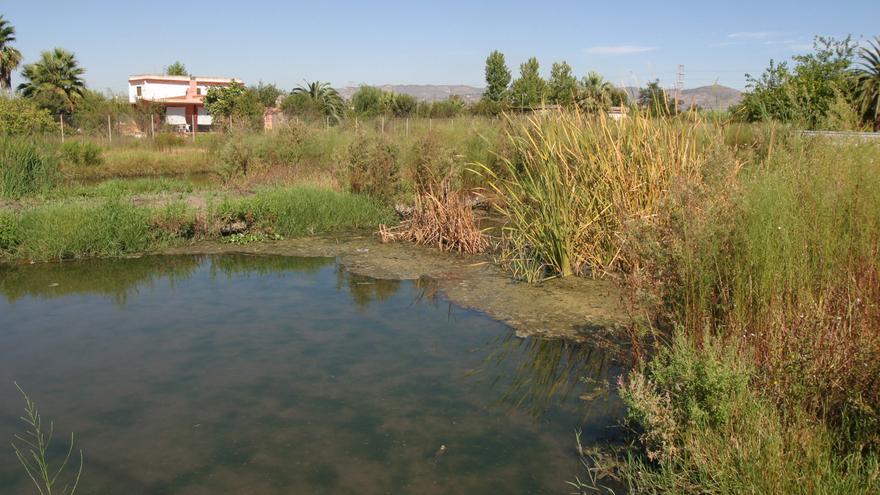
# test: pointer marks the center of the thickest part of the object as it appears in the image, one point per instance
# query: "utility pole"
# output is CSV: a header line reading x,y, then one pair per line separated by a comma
x,y
679,85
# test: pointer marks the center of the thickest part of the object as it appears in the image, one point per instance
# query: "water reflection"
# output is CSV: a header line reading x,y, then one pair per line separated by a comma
x,y
271,375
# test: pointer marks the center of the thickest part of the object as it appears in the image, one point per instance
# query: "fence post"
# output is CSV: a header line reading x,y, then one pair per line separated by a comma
x,y
109,131
62,126
327,122
152,127
407,126
430,123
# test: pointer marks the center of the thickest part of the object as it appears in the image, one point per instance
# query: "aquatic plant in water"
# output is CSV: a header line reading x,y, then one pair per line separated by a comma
x,y
32,451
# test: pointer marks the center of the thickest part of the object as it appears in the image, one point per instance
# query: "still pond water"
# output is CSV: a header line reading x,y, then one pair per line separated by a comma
x,y
276,375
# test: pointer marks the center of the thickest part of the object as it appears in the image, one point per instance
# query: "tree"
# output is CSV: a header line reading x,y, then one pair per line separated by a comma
x,y
403,105
867,76
176,69
530,89
655,100
497,77
805,92
596,94
20,116
368,101
55,81
10,57
320,99
267,93
563,86
234,106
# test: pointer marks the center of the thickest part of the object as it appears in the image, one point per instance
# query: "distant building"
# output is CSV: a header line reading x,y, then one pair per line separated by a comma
x,y
182,96
617,113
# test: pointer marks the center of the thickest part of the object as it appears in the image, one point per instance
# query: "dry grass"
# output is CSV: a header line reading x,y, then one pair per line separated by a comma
x,y
443,218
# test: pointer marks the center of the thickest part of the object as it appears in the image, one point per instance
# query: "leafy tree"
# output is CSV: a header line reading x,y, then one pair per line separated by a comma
x,y
563,86
448,108
497,77
530,89
369,101
10,57
267,93
805,92
317,99
55,81
655,100
234,106
867,76
20,116
403,105
176,69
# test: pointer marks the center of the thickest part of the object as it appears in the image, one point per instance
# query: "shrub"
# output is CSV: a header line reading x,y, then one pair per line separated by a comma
x,y
236,155
24,170
21,116
81,153
705,431
433,162
373,167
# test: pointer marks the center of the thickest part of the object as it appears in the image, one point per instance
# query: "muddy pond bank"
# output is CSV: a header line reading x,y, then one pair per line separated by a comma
x,y
577,309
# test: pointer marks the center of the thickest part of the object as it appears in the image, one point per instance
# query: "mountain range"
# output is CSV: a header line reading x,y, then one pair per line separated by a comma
x,y
715,97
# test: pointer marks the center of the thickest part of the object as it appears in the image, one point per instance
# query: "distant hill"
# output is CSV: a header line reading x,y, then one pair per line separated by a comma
x,y
425,92
715,97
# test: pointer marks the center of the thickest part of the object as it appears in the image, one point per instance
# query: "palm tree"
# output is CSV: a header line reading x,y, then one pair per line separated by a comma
x,y
56,77
868,82
596,93
10,58
325,98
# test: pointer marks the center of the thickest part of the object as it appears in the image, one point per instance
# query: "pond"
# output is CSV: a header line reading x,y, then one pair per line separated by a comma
x,y
233,374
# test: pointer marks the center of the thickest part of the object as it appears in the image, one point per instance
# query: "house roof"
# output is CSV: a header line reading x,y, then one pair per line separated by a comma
x,y
183,79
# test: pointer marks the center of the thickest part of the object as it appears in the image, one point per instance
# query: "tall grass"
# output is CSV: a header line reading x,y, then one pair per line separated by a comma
x,y
24,169
568,185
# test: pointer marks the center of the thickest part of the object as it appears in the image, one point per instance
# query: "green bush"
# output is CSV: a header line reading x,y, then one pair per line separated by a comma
x,y
705,430
373,168
21,116
24,170
81,153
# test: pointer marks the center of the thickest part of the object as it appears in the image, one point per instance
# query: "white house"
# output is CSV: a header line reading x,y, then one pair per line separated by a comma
x,y
182,96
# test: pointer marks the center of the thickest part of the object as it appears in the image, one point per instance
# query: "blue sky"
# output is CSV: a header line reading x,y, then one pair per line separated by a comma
x,y
412,42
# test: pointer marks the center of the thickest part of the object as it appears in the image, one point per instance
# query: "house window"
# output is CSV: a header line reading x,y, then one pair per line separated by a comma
x,y
140,91
198,91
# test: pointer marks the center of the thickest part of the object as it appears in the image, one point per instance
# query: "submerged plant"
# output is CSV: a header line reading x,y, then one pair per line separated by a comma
x,y
32,451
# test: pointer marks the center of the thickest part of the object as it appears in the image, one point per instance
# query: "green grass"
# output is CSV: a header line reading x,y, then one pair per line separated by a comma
x,y
25,169
303,210
108,226
125,187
